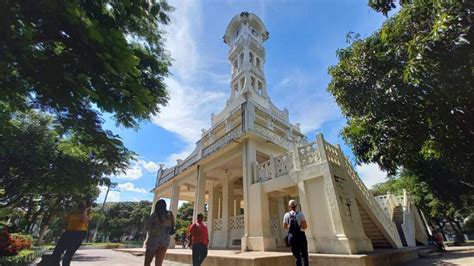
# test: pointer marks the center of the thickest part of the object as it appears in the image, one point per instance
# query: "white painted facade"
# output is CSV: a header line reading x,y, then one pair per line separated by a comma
x,y
252,160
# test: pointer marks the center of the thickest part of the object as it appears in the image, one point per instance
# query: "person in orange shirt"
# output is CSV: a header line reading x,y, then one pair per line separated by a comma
x,y
76,230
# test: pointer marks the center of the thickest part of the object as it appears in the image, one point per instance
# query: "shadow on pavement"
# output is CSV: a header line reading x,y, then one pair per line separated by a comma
x,y
452,257
78,257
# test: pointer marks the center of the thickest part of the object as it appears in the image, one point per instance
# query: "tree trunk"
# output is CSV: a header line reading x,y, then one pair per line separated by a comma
x,y
441,229
28,214
459,236
44,228
33,220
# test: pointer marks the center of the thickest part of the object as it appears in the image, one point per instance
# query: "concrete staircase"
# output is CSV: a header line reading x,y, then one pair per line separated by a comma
x,y
408,221
398,220
372,231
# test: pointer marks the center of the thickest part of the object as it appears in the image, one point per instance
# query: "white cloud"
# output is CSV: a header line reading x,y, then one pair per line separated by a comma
x,y
149,166
130,187
311,105
132,173
371,174
188,110
184,22
113,196
136,170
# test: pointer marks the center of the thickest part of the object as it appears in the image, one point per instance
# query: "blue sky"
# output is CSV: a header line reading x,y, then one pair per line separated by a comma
x,y
304,37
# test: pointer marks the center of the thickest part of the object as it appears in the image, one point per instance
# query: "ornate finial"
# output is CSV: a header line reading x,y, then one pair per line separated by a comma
x,y
244,14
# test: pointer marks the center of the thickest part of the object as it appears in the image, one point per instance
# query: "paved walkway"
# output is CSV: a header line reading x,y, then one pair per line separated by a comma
x,y
453,256
106,257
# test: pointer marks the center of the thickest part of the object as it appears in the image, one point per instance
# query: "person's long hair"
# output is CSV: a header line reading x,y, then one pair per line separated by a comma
x,y
160,209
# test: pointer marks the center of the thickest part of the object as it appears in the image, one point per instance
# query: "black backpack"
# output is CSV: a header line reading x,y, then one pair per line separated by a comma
x,y
294,231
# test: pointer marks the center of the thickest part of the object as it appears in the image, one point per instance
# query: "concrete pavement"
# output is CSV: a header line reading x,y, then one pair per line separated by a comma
x,y
106,257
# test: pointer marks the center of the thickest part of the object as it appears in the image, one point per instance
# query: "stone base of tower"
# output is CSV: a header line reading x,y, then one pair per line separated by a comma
x,y
343,245
258,243
236,257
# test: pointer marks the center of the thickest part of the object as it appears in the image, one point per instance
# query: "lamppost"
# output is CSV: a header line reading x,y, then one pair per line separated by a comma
x,y
101,212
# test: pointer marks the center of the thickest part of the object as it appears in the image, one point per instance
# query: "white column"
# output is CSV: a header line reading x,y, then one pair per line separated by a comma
x,y
199,197
281,212
174,207
210,211
258,235
227,208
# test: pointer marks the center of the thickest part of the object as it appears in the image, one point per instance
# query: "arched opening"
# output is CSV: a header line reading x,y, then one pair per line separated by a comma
x,y
251,58
258,63
242,84
235,65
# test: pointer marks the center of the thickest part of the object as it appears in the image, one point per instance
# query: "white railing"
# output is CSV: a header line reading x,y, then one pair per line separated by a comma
x,y
332,153
275,167
309,154
188,162
227,138
377,210
167,175
264,171
391,203
273,137
283,164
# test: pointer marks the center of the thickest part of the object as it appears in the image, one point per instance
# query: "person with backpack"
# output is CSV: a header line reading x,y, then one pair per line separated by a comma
x,y
199,240
295,222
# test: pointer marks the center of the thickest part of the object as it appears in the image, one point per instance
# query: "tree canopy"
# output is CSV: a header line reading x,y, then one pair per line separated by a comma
x,y
125,219
73,59
407,92
437,210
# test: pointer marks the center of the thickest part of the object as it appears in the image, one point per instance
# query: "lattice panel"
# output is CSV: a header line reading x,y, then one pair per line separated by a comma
x,y
236,222
274,223
217,225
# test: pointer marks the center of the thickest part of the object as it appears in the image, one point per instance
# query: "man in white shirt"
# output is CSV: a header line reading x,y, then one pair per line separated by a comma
x,y
295,222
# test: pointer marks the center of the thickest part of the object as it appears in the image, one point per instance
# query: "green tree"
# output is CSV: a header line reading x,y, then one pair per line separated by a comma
x,y
184,218
73,58
407,92
124,218
437,210
43,172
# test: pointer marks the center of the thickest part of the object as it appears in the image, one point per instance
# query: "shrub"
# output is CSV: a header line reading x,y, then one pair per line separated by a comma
x,y
22,241
6,244
11,244
23,257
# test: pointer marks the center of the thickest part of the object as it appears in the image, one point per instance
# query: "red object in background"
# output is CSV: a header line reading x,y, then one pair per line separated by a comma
x,y
11,244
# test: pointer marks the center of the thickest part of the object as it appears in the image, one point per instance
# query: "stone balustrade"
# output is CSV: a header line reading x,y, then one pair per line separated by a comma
x,y
227,138
377,210
283,164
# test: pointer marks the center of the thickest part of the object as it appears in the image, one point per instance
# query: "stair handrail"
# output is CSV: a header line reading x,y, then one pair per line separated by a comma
x,y
391,203
381,215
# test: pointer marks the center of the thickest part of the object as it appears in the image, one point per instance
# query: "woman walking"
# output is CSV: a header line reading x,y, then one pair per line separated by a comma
x,y
159,226
76,230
